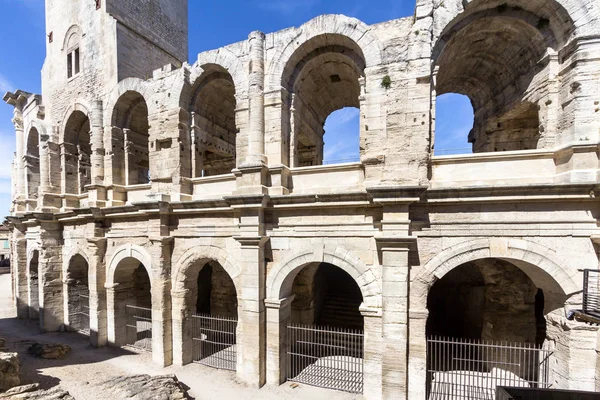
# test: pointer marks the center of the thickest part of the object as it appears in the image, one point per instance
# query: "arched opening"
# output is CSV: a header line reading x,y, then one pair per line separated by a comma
x,y
76,154
132,305
326,332
78,295
211,311
214,129
131,140
32,164
454,119
34,287
341,140
497,59
323,75
486,328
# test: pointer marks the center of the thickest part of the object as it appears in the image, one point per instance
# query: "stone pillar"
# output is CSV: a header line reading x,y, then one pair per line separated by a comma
x,y
417,354
372,358
182,335
162,340
251,365
50,278
279,313
97,143
96,282
116,316
20,164
18,264
395,277
256,137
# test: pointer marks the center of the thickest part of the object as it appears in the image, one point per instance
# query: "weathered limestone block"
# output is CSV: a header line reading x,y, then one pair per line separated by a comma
x,y
56,393
9,370
145,387
20,389
49,351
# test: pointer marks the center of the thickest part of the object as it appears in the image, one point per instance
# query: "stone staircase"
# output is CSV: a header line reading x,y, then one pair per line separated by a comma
x,y
341,310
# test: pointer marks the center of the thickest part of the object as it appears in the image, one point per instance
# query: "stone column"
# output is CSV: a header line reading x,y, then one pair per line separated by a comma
x,y
50,278
372,358
20,164
395,274
18,265
96,282
116,317
97,143
251,365
182,335
279,313
162,340
256,137
417,354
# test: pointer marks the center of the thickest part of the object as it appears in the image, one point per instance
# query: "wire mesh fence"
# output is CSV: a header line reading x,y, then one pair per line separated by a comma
x,y
139,327
591,292
472,369
214,341
326,357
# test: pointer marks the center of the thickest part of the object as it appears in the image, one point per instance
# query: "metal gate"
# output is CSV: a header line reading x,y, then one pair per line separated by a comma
x,y
326,357
79,314
139,327
467,369
214,341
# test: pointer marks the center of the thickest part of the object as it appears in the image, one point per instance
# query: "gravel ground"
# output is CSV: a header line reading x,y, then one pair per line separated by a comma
x,y
86,366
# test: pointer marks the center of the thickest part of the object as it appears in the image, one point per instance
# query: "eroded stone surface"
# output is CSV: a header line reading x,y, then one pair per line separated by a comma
x,y
145,387
9,370
50,351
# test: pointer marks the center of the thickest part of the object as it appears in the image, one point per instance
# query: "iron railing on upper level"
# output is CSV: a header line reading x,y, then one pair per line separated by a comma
x,y
591,292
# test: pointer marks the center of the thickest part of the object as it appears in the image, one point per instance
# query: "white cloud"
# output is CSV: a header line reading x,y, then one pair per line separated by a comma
x,y
5,85
7,150
287,7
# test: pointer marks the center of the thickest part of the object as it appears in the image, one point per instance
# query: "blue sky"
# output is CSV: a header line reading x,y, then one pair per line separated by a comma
x,y
213,23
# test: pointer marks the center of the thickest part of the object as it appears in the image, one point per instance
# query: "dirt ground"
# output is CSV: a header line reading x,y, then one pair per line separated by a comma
x,y
86,366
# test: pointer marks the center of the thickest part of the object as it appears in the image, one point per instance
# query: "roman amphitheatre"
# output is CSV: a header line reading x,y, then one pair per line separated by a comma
x,y
183,210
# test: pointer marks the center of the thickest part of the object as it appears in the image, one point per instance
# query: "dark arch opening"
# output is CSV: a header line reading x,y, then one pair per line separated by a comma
x,y
326,295
32,164
34,287
323,75
77,153
214,128
485,326
133,304
131,140
78,295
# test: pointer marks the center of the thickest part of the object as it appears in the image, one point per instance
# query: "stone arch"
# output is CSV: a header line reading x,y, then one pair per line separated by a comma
x,y
126,85
543,266
558,12
203,253
68,256
129,251
78,105
352,28
74,30
225,59
281,276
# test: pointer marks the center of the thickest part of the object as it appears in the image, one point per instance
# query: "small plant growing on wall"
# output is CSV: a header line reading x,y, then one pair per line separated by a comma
x,y
386,82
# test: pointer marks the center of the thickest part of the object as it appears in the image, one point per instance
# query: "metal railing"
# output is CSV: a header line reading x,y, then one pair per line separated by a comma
x,y
214,341
139,327
79,318
326,357
471,369
591,292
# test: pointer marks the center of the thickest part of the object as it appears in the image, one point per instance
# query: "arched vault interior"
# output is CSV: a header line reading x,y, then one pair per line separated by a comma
x,y
496,61
78,151
214,129
322,76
